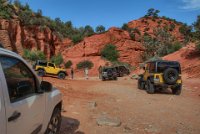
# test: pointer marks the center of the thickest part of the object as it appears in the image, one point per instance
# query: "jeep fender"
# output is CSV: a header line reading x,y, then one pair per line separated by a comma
x,y
40,69
53,100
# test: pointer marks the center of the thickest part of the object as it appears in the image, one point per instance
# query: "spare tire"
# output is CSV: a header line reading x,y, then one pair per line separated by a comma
x,y
109,73
170,76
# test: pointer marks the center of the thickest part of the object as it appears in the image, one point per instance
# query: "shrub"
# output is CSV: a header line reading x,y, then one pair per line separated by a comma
x,y
85,64
100,29
175,47
110,52
77,38
125,27
57,59
132,35
172,27
198,46
68,64
33,55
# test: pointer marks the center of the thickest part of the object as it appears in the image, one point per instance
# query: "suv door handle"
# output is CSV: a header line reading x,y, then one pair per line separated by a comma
x,y
14,116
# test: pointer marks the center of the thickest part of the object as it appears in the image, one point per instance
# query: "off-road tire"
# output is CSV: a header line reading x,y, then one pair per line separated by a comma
x,y
177,90
61,75
115,78
55,122
103,79
150,88
141,84
170,76
109,73
41,72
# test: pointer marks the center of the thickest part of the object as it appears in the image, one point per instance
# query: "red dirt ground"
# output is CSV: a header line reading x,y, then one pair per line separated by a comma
x,y
139,112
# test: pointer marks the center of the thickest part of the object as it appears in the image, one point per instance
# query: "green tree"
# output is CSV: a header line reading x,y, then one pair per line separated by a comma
x,y
100,29
68,64
125,27
152,13
85,64
33,55
57,59
110,52
88,31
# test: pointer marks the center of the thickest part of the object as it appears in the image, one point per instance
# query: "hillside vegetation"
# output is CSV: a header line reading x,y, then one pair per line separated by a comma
x,y
23,30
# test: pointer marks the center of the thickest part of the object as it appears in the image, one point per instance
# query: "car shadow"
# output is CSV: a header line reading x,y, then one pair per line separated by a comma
x,y
163,91
70,126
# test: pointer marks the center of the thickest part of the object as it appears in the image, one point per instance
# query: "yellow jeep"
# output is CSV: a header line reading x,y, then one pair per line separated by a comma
x,y
47,68
161,74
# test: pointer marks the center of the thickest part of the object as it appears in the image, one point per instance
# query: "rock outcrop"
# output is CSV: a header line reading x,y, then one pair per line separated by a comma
x,y
16,37
90,48
148,25
189,59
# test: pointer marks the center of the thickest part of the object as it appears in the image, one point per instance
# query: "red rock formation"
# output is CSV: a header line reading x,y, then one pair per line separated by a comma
x,y
149,24
16,37
189,59
90,49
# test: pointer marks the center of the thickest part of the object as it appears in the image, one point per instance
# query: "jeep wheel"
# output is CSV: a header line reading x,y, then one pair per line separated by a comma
x,y
170,76
61,75
140,84
55,122
150,87
177,90
41,72
115,78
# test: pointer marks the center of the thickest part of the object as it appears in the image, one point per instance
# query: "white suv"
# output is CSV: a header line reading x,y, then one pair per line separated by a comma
x,y
27,106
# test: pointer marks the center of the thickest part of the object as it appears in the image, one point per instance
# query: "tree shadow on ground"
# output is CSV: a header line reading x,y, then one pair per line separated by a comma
x,y
70,126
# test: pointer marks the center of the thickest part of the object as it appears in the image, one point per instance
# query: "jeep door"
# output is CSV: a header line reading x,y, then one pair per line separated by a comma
x,y
51,69
24,106
2,112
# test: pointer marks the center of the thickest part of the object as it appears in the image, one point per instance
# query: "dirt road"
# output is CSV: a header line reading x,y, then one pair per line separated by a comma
x,y
87,101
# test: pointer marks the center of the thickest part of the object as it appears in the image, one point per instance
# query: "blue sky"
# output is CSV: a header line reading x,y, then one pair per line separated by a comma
x,y
114,12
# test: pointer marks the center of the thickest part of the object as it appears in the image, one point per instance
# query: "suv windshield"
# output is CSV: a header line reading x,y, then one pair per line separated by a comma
x,y
161,66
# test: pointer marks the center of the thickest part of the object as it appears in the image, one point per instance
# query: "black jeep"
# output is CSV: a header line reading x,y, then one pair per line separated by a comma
x,y
108,73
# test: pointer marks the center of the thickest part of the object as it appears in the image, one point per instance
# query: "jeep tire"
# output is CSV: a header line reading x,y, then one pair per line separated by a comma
x,y
141,84
55,122
170,76
41,72
61,75
150,87
177,90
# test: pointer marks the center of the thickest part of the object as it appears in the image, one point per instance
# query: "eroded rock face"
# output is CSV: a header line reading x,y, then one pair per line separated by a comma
x,y
148,25
188,57
16,37
90,48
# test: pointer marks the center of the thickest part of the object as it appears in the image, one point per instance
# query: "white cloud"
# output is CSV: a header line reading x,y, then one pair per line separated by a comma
x,y
191,5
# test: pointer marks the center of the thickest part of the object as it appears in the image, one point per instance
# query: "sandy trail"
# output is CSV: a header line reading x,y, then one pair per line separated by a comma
x,y
162,113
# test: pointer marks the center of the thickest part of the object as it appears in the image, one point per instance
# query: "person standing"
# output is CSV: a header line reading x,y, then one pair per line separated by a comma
x,y
72,73
86,72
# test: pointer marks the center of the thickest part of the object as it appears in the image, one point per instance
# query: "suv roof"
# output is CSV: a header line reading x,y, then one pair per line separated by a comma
x,y
5,51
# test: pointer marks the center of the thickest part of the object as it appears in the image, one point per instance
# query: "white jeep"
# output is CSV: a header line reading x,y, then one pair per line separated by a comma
x,y
27,106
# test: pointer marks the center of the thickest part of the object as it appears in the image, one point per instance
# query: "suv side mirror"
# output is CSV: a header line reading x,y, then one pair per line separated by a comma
x,y
46,86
